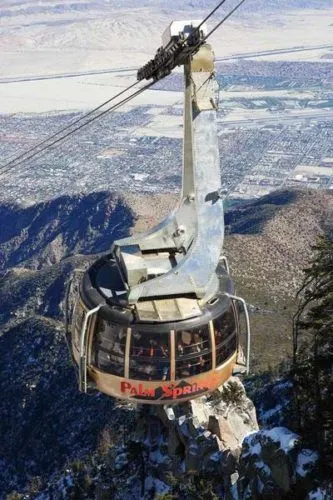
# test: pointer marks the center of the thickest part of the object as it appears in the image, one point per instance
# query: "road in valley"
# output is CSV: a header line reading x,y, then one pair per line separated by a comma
x,y
132,70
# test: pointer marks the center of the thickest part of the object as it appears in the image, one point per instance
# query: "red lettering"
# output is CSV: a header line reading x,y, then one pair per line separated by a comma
x,y
167,391
177,392
125,386
200,388
139,390
187,390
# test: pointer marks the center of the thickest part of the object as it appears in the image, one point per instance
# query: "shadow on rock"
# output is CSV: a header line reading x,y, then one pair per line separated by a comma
x,y
252,217
45,233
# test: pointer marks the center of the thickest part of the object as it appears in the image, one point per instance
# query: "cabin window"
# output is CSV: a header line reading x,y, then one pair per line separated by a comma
x,y
109,347
149,356
225,336
193,352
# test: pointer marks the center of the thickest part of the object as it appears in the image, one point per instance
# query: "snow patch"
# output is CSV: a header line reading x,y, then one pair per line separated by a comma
x,y
305,462
318,494
272,412
286,439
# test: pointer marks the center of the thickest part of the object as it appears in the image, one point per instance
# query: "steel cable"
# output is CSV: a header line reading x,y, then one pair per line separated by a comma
x,y
108,110
222,21
63,129
210,14
4,169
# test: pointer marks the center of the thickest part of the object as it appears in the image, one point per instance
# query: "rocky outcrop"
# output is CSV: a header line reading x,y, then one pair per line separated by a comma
x,y
273,464
218,438
208,448
203,436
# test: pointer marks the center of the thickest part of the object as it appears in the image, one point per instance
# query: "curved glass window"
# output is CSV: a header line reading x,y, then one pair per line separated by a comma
x,y
149,356
193,352
225,336
109,347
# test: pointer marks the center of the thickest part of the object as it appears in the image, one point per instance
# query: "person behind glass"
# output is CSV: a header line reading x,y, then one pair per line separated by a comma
x,y
151,350
140,351
164,351
150,369
118,345
194,347
165,364
180,348
201,365
218,337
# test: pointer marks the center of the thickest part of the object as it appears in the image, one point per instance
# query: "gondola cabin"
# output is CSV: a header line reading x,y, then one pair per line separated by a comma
x,y
157,319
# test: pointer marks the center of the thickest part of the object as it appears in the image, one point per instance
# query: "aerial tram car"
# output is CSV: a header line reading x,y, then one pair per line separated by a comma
x,y
157,320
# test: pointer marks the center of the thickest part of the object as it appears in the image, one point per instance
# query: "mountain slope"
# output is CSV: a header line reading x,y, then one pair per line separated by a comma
x,y
268,247
45,423
44,234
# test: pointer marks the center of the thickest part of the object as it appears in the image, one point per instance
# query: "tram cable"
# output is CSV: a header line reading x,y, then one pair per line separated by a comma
x,y
15,158
4,169
210,15
108,110
223,21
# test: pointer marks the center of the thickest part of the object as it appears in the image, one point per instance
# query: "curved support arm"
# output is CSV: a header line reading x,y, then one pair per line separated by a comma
x,y
83,353
195,231
248,329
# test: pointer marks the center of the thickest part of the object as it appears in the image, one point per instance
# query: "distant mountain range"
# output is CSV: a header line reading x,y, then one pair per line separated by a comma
x,y
29,7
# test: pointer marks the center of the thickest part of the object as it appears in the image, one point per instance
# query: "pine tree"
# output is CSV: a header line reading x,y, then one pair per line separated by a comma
x,y
313,353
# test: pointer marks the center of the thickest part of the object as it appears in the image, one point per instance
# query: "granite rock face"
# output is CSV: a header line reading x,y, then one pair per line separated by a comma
x,y
205,435
273,464
218,438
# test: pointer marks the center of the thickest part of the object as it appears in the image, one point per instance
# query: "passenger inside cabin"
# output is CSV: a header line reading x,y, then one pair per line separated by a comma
x,y
152,348
164,351
218,337
194,346
201,365
180,348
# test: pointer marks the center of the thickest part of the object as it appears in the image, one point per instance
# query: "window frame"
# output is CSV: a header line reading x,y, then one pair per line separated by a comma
x,y
93,360
158,362
79,309
229,338
202,353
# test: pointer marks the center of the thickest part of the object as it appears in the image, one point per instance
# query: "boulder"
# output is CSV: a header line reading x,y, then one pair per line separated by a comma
x,y
200,411
221,428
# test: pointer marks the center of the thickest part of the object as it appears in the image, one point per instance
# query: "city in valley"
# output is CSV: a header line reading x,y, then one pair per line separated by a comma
x,y
275,109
